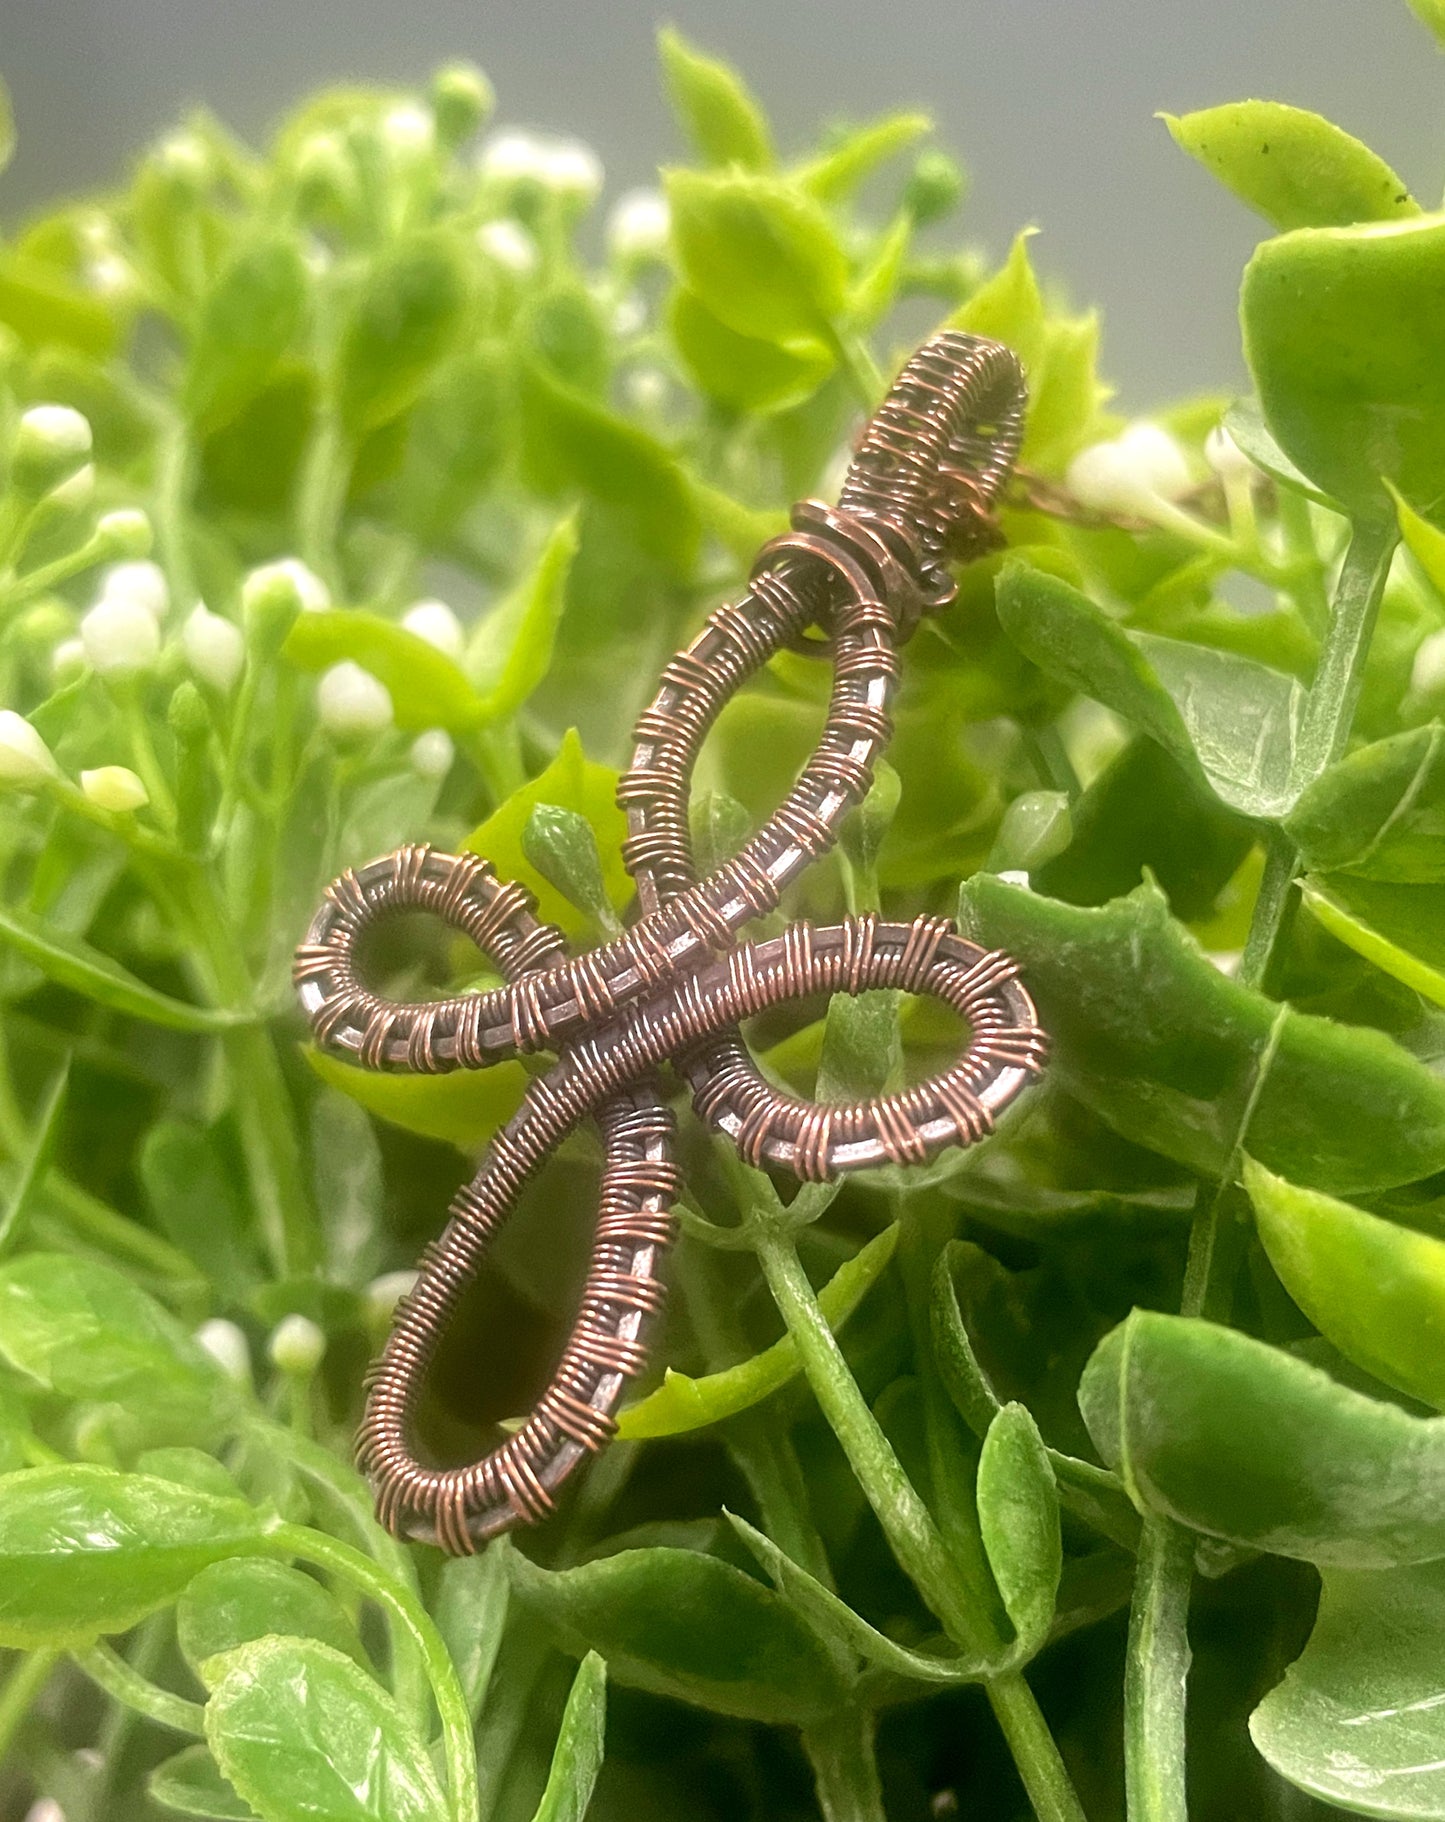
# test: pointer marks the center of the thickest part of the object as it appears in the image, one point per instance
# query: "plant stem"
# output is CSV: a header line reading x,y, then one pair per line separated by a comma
x,y
19,1695
845,1770
1156,1669
125,1684
942,1581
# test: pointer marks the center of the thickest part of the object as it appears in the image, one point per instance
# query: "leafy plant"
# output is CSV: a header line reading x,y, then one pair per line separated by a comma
x,y
1169,1340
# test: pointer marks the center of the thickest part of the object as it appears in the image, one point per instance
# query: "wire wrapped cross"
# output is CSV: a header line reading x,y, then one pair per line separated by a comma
x,y
675,985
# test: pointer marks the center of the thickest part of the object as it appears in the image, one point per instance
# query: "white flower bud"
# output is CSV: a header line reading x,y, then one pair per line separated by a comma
x,y
215,648
573,170
1225,456
228,1347
312,594
350,700
462,98
296,1345
510,245
510,156
432,753
51,442
1132,473
185,160
639,225
435,622
25,760
45,1809
67,660
112,277
120,636
1427,674
646,389
408,129
142,583
114,787
384,1293
564,166
126,532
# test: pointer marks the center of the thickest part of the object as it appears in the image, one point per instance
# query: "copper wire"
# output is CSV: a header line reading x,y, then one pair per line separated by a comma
x,y
852,581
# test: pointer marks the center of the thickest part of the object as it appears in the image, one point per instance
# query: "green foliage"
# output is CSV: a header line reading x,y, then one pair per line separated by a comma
x,y
451,488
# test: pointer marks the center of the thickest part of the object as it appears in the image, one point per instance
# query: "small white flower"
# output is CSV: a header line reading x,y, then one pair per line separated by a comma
x,y
435,622
184,159
1132,473
638,225
45,1809
120,636
228,1347
567,167
350,700
55,439
215,648
384,1293
432,753
110,276
408,128
510,245
25,760
509,156
114,787
1225,456
67,660
573,169
646,389
296,1345
141,582
126,532
1427,673
312,594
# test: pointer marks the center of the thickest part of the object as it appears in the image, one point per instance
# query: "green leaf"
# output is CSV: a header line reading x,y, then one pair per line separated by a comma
x,y
1432,14
686,1625
463,1108
45,309
346,1181
512,647
875,290
681,1403
191,1783
83,1330
1241,1441
560,845
1424,541
1376,1290
1341,334
36,1160
246,325
1294,168
301,1732
713,105
578,1758
1401,929
189,1467
458,435
573,442
1065,394
1228,720
397,328
86,1550
428,689
73,963
836,173
1018,1519
1168,1051
471,1611
192,1193
1245,423
1379,812
743,372
1358,1719
1008,306
759,253
572,782
232,1603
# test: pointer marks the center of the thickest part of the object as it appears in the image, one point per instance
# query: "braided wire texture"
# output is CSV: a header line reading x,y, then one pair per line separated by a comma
x,y
850,581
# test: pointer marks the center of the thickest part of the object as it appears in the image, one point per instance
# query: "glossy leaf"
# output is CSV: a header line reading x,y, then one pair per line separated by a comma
x,y
73,963
1401,929
686,1625
509,653
464,1108
301,1732
397,328
759,253
83,1330
232,1603
559,845
1168,1051
86,1550
246,326
1340,331
1294,168
1358,1720
471,1612
578,1757
1374,1289
427,688
1018,1520
1424,541
713,104
1242,1441
1378,812
836,173
1009,307
1245,423
190,1783
681,1403
743,372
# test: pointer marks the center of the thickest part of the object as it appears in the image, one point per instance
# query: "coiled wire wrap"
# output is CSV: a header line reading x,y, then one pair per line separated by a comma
x,y
676,984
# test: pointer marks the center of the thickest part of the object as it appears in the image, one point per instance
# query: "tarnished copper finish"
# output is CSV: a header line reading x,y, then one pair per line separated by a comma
x,y
675,985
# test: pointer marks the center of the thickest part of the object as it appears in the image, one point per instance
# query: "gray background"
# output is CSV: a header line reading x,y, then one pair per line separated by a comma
x,y
1050,102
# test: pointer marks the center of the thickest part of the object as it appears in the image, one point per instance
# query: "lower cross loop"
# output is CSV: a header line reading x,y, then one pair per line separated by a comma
x,y
675,986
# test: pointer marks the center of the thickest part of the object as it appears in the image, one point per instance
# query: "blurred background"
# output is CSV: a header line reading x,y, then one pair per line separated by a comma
x,y
1050,103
